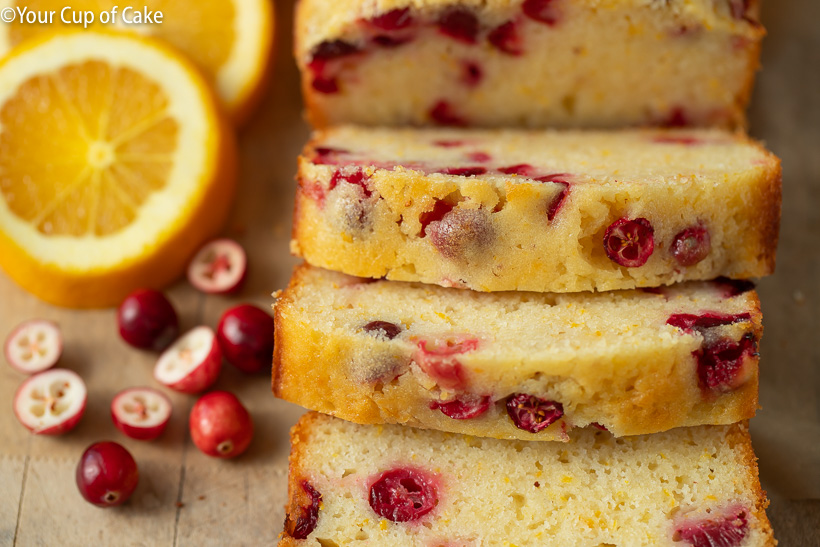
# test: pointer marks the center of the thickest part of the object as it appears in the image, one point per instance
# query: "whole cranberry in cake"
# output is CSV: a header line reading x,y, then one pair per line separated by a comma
x,y
305,522
726,530
691,246
403,494
383,328
725,365
532,413
462,233
460,24
507,39
629,242
463,409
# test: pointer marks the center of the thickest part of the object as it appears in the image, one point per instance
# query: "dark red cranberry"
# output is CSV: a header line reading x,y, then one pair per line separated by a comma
x,y
676,117
459,24
689,321
325,155
386,41
443,113
532,413
719,531
396,19
596,425
383,328
629,242
463,171
691,246
523,169
463,409
440,208
462,233
723,365
328,86
107,474
479,156
543,11
245,335
147,320
332,49
733,287
507,39
471,73
305,523
403,495
558,201
439,360
654,290
354,175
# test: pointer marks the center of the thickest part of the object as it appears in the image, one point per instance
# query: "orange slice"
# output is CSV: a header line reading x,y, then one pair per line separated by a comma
x,y
231,41
115,166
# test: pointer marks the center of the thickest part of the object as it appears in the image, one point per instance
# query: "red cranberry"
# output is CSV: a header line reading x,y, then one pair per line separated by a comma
x,y
325,155
440,208
724,365
727,530
629,243
383,328
481,157
558,201
438,360
598,426
462,233
733,287
677,117
245,334
332,49
691,246
463,409
471,74
391,41
443,113
220,426
308,514
449,144
689,321
107,474
328,86
506,39
396,19
147,320
353,175
523,169
403,495
671,139
532,413
459,24
543,11
463,171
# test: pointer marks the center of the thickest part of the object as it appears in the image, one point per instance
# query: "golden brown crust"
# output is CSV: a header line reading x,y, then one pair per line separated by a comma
x,y
738,436
299,439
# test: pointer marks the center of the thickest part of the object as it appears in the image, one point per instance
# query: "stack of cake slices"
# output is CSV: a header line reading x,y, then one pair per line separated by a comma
x,y
527,336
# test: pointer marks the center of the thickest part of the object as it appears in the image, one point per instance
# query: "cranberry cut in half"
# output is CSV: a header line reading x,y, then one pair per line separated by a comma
x,y
383,329
463,409
219,267
459,24
691,246
403,494
629,242
220,426
727,530
438,359
192,363
141,413
305,523
532,413
245,334
392,20
725,365
51,402
543,11
34,346
690,321
506,39
107,474
147,320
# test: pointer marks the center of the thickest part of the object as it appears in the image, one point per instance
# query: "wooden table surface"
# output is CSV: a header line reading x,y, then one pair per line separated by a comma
x,y
186,498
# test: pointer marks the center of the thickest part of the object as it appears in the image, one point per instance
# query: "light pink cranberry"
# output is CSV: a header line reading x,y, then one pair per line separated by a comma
x,y
532,413
479,156
739,9
459,24
507,39
543,11
678,139
449,144
439,360
691,246
629,242
305,523
443,113
471,73
463,409
462,233
403,494
725,530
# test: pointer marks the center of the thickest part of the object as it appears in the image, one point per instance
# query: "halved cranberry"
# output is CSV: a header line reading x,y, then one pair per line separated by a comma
x,y
724,365
383,328
463,171
523,169
471,73
305,523
689,321
396,19
463,409
629,242
440,208
691,246
462,233
403,495
459,24
438,360
328,86
543,11
558,201
351,175
532,413
326,155
727,530
443,113
506,39
733,287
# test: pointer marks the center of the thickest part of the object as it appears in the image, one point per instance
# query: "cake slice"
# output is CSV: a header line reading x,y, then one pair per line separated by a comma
x,y
538,211
399,486
517,365
535,63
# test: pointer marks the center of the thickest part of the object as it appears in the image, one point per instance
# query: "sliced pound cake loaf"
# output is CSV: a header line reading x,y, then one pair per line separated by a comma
x,y
535,63
539,211
398,486
517,365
